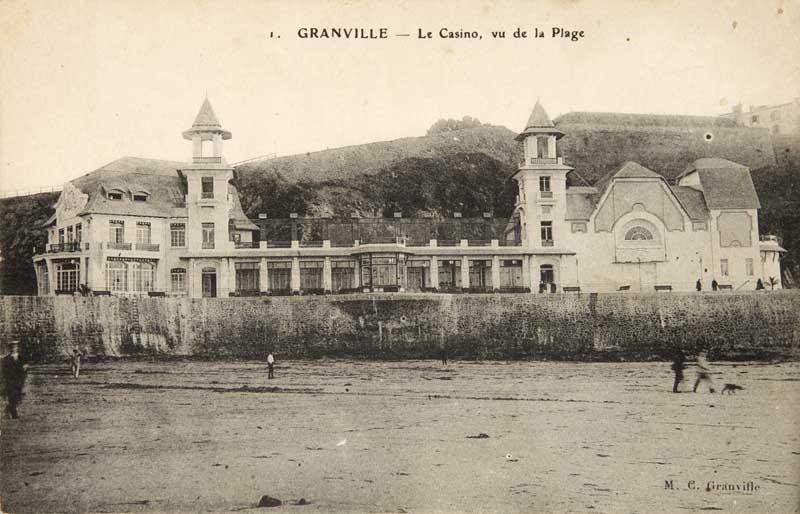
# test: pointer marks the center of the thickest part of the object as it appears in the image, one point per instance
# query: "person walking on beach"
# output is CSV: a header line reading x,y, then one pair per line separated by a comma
x,y
13,379
703,373
677,366
75,360
270,366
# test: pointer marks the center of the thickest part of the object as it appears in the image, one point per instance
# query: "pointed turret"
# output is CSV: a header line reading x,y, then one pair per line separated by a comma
x,y
539,123
206,124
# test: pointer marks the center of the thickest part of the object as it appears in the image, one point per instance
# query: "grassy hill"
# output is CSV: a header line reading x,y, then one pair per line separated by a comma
x,y
342,163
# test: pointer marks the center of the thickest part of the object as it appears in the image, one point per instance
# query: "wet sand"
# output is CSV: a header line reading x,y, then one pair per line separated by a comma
x,y
352,436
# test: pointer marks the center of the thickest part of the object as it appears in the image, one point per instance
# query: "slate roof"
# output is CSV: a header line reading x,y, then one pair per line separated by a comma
x,y
580,202
726,185
632,169
162,180
628,169
693,201
133,174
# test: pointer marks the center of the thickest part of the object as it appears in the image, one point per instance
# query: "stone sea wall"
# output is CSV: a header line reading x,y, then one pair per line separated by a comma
x,y
395,326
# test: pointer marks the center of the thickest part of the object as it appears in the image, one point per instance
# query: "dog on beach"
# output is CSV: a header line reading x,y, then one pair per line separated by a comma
x,y
730,388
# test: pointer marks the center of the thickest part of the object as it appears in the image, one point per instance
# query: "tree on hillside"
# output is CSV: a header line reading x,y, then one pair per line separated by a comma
x,y
470,183
275,196
20,234
448,125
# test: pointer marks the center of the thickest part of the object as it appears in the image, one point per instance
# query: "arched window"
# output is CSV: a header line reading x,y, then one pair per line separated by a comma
x,y
116,276
178,280
143,275
638,233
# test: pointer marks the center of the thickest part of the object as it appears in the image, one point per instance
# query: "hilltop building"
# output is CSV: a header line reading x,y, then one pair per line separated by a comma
x,y
782,119
140,226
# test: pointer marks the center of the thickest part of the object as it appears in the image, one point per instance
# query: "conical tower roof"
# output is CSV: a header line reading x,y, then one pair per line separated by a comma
x,y
206,122
206,116
539,118
539,123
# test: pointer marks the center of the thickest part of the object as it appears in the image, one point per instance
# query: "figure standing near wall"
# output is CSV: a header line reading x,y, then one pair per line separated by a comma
x,y
699,285
759,284
678,364
714,284
703,373
13,379
270,366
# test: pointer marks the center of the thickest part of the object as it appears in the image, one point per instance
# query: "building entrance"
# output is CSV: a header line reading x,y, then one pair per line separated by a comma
x,y
209,283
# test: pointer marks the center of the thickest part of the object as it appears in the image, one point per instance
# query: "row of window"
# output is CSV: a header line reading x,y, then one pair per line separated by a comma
x,y
773,116
130,276
378,274
116,231
68,277
207,191
118,195
724,267
71,234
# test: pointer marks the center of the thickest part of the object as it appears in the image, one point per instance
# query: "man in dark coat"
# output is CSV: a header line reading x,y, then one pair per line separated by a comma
x,y
678,361
13,379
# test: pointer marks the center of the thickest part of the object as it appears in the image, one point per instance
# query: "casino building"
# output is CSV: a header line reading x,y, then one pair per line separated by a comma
x,y
149,227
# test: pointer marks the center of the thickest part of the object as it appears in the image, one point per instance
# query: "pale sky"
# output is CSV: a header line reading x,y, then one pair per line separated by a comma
x,y
83,83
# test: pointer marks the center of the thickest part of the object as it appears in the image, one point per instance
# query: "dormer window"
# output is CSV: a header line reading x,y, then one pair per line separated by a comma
x,y
140,196
115,195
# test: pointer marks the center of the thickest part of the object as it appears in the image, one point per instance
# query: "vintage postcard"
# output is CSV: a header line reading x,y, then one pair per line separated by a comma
x,y
433,257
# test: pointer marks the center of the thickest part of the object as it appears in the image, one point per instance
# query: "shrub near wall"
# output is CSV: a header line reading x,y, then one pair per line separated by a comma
x,y
396,326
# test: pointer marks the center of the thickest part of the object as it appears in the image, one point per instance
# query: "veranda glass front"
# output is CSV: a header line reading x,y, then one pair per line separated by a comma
x,y
311,275
511,273
247,278
382,270
68,276
343,275
279,275
480,274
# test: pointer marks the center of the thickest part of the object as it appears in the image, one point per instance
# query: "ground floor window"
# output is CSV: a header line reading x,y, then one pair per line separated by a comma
x,y
511,273
546,275
480,273
142,274
450,273
43,277
247,277
382,270
279,275
68,276
178,280
128,275
343,275
417,275
116,276
310,275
